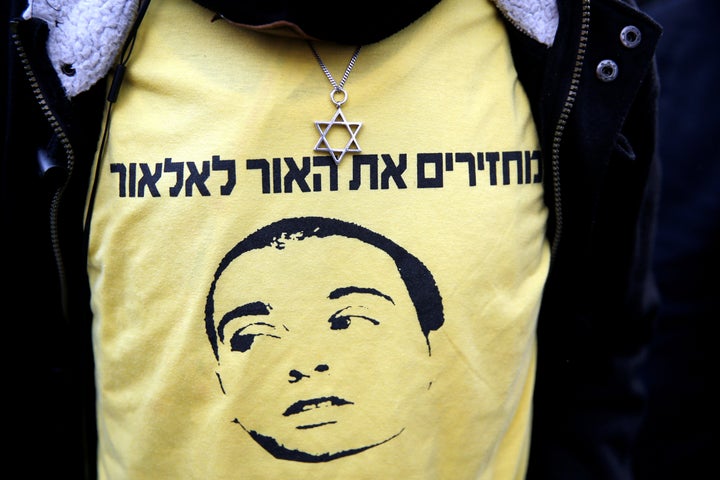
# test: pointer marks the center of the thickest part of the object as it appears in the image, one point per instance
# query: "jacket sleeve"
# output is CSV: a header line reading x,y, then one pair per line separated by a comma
x,y
599,133
56,371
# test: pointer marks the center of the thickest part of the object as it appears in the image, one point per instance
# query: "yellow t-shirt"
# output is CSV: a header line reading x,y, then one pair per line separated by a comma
x,y
263,312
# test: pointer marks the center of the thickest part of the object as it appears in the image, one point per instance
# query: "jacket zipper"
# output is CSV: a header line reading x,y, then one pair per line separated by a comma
x,y
70,157
562,121
564,115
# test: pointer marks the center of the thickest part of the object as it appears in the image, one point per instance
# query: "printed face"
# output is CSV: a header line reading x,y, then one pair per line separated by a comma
x,y
320,350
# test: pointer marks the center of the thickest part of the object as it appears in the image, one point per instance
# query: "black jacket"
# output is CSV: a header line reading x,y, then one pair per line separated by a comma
x,y
593,95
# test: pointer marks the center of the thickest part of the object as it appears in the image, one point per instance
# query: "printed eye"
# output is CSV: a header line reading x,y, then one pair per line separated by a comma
x,y
240,342
243,339
342,321
339,323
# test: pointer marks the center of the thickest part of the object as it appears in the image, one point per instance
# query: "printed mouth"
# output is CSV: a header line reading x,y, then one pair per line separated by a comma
x,y
315,403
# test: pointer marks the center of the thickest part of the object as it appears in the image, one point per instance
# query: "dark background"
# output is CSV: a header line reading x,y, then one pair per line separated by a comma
x,y
676,439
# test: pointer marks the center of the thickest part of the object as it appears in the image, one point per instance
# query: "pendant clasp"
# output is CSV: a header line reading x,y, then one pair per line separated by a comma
x,y
338,90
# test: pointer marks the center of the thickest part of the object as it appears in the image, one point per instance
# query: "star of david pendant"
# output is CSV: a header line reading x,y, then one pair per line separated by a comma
x,y
339,121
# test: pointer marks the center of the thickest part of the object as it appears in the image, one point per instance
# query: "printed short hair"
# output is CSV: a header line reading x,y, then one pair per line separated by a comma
x,y
418,280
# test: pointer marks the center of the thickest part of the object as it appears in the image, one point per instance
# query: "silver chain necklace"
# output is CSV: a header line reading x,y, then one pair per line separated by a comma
x,y
338,96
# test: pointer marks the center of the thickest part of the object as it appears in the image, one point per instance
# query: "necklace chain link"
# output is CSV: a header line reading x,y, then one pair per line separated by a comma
x,y
351,64
338,96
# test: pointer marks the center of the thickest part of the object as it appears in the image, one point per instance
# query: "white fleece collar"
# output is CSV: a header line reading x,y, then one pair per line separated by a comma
x,y
537,18
85,36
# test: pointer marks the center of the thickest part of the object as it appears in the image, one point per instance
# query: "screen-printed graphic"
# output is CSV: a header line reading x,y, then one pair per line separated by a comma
x,y
321,329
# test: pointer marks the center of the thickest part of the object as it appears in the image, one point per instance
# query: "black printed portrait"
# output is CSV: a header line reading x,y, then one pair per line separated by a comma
x,y
321,328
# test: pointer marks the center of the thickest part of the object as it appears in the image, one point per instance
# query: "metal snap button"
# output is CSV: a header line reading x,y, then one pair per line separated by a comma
x,y
607,70
630,36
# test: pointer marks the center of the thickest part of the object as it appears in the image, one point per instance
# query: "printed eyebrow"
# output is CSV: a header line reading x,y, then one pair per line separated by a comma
x,y
248,309
342,291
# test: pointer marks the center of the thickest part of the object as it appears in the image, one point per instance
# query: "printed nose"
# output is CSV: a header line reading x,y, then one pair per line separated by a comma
x,y
297,375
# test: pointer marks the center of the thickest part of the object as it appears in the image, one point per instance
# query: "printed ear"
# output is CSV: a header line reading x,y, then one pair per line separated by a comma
x,y
84,37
